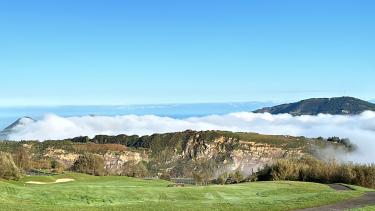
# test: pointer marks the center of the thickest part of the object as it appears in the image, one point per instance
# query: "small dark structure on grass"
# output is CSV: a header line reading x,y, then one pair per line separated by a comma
x,y
184,181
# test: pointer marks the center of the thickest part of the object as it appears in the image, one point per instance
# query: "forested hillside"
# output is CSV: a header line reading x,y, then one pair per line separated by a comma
x,y
315,106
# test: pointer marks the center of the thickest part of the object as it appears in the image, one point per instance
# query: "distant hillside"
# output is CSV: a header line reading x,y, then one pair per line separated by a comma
x,y
180,154
315,106
19,123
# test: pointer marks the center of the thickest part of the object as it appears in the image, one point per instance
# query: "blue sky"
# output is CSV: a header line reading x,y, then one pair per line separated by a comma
x,y
133,52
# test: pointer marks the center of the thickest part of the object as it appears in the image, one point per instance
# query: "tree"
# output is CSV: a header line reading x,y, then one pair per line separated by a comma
x,y
90,164
57,167
238,177
134,169
198,178
22,158
222,179
344,141
8,169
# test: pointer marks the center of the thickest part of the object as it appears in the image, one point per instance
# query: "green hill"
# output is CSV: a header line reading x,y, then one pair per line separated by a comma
x,y
315,106
181,154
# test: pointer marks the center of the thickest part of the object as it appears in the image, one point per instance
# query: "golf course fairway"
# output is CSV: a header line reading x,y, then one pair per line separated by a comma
x,y
84,192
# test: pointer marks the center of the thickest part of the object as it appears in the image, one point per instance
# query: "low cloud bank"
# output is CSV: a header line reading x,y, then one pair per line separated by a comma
x,y
360,128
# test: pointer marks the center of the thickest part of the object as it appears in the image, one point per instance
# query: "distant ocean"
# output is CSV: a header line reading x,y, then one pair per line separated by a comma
x,y
10,114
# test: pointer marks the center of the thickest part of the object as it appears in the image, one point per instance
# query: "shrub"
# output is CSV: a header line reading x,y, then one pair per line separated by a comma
x,y
89,164
313,170
22,158
41,164
222,179
99,148
8,169
344,141
133,169
238,177
57,167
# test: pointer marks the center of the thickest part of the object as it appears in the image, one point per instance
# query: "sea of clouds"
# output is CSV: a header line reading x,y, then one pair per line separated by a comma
x,y
359,128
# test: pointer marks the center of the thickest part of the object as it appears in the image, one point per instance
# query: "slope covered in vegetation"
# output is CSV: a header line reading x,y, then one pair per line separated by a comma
x,y
203,155
315,106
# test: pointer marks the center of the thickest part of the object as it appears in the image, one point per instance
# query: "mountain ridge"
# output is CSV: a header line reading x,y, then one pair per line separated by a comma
x,y
314,106
4,134
178,154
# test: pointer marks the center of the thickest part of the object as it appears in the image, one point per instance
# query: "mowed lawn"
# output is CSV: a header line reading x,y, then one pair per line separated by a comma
x,y
367,208
123,193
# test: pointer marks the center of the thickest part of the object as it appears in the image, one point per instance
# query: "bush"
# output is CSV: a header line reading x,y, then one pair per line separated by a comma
x,y
133,169
57,167
238,177
230,178
22,158
41,164
313,170
222,179
344,141
99,148
8,169
89,164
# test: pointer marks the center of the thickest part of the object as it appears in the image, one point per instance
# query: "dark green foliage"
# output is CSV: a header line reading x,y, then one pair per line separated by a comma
x,y
315,106
344,141
130,141
81,139
56,166
89,164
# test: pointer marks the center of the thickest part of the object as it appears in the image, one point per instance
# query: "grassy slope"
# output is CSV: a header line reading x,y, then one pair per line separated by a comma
x,y
121,193
368,208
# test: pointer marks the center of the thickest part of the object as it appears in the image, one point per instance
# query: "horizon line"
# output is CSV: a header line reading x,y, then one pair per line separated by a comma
x,y
170,104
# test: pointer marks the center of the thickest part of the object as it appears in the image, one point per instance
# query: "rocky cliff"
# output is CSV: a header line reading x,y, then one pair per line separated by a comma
x,y
182,154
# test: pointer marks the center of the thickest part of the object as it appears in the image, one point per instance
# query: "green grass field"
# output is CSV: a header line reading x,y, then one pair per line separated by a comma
x,y
367,208
123,193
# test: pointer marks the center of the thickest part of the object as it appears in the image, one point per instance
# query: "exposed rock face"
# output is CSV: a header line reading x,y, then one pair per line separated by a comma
x,y
61,156
181,154
114,161
221,154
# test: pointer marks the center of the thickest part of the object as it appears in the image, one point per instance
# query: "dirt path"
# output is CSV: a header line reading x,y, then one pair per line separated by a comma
x,y
365,200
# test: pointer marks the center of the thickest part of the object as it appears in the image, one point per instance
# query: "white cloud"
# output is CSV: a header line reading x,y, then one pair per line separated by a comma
x,y
360,128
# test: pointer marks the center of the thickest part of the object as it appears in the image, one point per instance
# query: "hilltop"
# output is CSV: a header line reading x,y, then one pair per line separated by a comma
x,y
315,106
180,154
4,134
